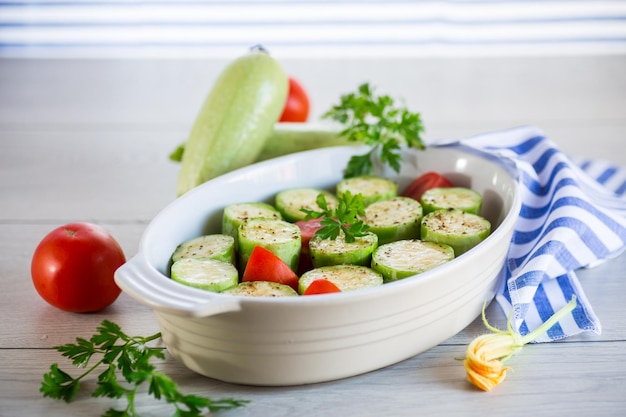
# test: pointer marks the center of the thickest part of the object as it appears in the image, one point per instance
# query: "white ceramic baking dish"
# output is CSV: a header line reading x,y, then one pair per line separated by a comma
x,y
300,340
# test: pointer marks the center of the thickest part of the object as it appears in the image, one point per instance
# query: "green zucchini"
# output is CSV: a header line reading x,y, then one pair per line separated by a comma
x,y
282,238
235,120
289,138
345,277
217,246
404,258
337,251
206,274
371,187
235,214
460,198
456,228
261,289
394,219
290,202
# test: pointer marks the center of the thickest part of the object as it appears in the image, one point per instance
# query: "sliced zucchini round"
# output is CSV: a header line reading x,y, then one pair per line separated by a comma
x,y
291,202
345,277
371,187
404,258
337,251
280,237
394,219
456,228
460,198
261,289
206,274
237,213
217,246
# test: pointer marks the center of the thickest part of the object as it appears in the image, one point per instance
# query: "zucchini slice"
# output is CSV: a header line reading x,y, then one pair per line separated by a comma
x,y
290,202
394,219
337,251
218,247
461,198
206,274
456,228
345,277
261,289
371,187
404,258
235,214
280,237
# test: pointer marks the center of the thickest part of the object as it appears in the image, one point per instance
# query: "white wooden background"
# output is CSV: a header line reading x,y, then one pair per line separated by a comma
x,y
579,101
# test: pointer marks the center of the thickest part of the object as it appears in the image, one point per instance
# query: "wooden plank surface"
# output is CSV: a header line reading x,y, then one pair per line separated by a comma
x,y
575,100
89,140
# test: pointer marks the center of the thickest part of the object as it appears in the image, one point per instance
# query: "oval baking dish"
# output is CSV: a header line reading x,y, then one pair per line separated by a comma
x,y
301,340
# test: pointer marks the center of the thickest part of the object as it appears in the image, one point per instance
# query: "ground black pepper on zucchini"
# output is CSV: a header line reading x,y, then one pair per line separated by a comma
x,y
391,238
280,237
404,258
456,228
394,219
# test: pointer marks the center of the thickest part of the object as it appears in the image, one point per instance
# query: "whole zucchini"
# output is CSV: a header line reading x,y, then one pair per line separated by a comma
x,y
235,120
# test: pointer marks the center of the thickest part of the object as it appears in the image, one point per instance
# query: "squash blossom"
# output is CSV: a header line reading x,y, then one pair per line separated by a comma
x,y
486,354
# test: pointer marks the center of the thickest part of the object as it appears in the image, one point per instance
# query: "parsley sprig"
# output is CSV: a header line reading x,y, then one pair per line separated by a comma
x,y
346,217
131,356
375,121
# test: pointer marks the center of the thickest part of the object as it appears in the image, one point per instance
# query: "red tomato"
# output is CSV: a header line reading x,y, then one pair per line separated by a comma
x,y
263,265
307,229
297,105
321,286
72,268
425,182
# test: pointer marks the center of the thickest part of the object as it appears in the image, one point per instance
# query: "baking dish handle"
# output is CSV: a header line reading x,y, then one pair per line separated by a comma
x,y
144,283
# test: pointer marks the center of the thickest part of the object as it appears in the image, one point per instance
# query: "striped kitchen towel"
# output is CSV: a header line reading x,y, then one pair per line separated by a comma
x,y
572,216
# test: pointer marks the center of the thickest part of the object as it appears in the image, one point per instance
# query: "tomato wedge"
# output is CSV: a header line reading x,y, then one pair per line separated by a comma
x,y
307,229
263,265
426,182
321,286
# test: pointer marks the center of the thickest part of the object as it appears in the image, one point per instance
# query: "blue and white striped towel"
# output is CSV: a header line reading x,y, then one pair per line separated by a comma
x,y
572,217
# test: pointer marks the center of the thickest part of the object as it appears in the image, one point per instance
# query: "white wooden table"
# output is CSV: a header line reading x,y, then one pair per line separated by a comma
x,y
89,141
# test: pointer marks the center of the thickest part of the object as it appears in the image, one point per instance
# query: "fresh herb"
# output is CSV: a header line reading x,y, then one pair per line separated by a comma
x,y
374,121
131,356
346,217
177,154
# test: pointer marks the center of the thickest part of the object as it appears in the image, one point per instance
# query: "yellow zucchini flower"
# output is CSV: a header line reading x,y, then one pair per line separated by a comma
x,y
486,354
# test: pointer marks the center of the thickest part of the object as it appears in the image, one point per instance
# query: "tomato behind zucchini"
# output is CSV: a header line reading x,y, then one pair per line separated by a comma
x,y
321,286
425,182
308,228
297,105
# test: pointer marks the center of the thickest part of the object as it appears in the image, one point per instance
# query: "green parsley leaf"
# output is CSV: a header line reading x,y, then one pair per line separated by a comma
x,y
80,353
345,218
130,356
59,384
374,121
